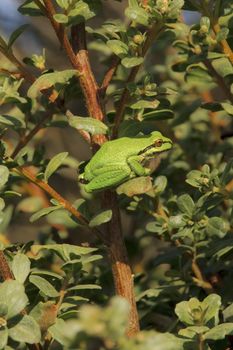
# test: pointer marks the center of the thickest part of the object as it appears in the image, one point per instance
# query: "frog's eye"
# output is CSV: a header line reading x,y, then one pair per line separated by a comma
x,y
158,143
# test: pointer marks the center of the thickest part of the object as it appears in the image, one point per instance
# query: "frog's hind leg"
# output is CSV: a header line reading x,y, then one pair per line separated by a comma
x,y
108,179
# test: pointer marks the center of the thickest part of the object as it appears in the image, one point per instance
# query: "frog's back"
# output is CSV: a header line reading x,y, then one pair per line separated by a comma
x,y
118,150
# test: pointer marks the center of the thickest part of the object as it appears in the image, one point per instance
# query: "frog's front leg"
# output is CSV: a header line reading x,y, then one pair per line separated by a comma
x,y
110,176
136,166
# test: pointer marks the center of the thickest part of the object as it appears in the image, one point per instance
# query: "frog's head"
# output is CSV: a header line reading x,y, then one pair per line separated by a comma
x,y
157,143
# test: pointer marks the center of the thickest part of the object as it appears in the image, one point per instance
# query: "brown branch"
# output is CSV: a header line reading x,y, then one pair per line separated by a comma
x,y
153,32
122,274
25,73
109,74
219,79
225,46
54,194
199,278
29,175
25,140
87,80
60,32
79,59
204,8
118,255
114,240
5,270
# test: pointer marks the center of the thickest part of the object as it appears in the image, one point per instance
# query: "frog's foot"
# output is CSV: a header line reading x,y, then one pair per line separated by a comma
x,y
137,168
109,179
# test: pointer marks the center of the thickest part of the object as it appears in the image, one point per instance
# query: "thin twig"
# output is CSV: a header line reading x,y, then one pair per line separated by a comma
x,y
199,278
225,46
25,73
153,33
109,74
219,79
54,194
60,32
216,29
25,172
25,140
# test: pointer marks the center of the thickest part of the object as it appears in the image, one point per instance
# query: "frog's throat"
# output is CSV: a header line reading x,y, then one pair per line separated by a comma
x,y
153,146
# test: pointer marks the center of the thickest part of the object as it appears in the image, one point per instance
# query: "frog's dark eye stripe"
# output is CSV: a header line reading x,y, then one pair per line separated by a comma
x,y
158,143
146,149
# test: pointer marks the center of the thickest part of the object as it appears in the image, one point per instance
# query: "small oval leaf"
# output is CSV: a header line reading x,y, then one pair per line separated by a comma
x,y
54,164
102,218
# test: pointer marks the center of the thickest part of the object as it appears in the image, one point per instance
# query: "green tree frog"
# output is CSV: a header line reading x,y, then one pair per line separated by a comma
x,y
120,160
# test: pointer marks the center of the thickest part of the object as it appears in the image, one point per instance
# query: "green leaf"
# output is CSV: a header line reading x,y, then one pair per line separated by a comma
x,y
45,81
64,251
186,204
216,227
61,18
196,74
26,330
63,333
187,310
61,217
14,36
45,314
4,174
223,66
211,306
14,121
64,4
3,338
54,164
145,104
30,204
219,332
2,204
228,313
3,310
136,13
118,47
160,184
21,267
129,62
13,295
46,273
218,106
29,8
102,218
91,125
45,211
222,34
84,286
82,12
138,185
162,114
44,286
192,331
227,107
